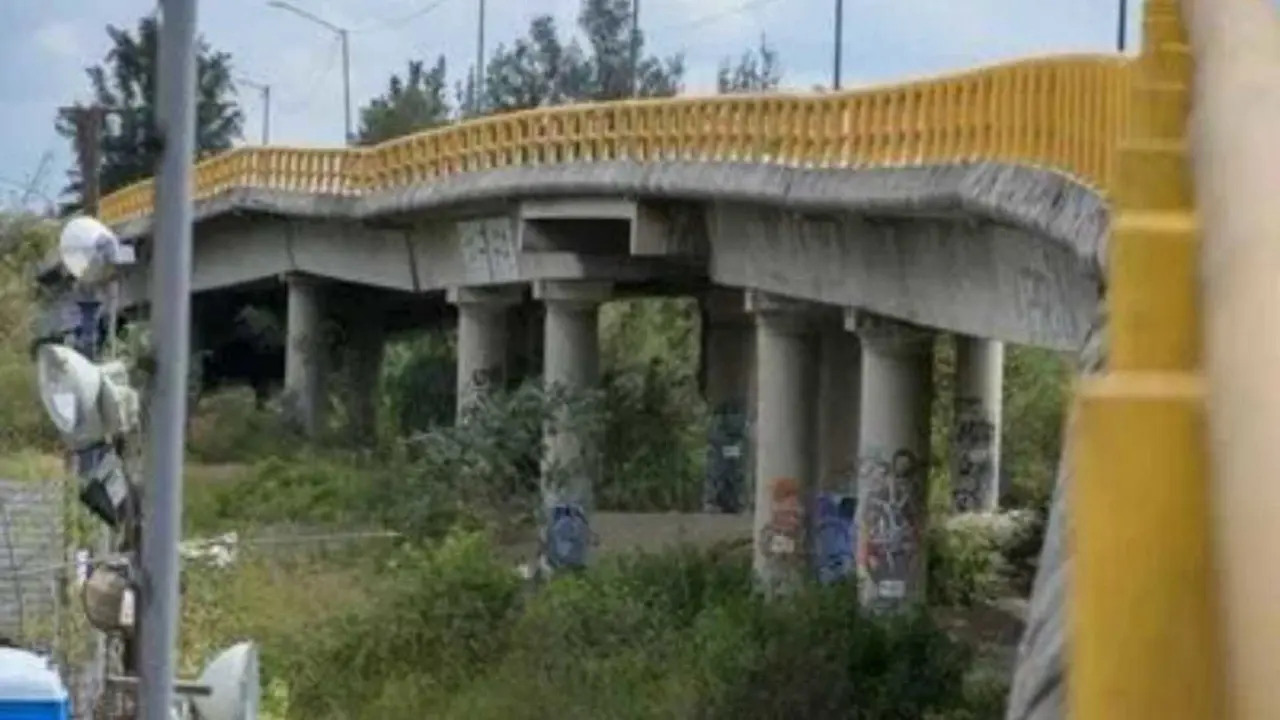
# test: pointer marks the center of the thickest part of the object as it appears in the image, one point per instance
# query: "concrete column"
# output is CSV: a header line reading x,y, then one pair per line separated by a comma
x,y
893,463
785,467
839,402
728,363
483,340
366,342
975,436
571,363
306,353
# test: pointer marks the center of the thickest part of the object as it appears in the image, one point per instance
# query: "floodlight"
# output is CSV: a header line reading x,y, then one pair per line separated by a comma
x,y
89,250
88,403
233,685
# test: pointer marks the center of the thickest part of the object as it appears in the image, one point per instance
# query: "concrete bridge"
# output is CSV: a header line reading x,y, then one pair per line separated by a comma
x,y
828,237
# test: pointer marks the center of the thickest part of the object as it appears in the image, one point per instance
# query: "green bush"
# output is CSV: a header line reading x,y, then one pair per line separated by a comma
x,y
678,635
968,556
24,426
316,491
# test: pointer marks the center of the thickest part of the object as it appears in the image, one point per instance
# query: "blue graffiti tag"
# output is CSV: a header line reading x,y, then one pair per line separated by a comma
x,y
567,538
834,540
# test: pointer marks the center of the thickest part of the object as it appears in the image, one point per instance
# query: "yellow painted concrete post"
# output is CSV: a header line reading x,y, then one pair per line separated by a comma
x,y
1234,146
1145,641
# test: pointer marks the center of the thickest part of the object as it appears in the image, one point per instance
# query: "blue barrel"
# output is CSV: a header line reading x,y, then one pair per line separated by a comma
x,y
29,688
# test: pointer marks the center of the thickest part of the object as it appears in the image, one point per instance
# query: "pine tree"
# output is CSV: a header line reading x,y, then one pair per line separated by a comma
x,y
411,103
125,85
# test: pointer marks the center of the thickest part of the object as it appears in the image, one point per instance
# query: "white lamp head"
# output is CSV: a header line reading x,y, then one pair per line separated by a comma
x,y
233,682
88,249
69,387
86,402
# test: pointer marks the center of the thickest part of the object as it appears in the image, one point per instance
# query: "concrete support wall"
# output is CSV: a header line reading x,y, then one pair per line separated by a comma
x,y
571,363
839,407
975,436
728,361
785,467
365,346
893,465
483,340
306,354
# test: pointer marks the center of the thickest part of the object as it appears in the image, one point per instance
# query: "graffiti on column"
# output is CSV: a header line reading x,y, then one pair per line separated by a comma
x,y
890,521
834,540
567,537
724,488
782,537
972,481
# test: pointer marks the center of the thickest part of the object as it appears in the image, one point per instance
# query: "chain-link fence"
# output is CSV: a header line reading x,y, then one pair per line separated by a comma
x,y
38,608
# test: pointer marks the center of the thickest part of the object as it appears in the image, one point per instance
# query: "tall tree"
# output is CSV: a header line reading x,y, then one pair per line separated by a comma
x,y
543,69
411,103
125,85
757,70
536,71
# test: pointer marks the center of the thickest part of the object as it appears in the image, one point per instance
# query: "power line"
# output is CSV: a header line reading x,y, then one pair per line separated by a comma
x,y
307,98
401,20
711,18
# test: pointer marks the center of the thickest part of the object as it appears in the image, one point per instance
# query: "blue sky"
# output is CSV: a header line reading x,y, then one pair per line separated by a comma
x,y
46,44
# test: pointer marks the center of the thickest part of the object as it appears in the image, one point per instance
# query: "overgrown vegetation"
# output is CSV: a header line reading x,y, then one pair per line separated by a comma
x,y
436,623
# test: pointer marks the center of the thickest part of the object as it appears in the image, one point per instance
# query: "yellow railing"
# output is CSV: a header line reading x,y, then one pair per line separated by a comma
x,y
1062,113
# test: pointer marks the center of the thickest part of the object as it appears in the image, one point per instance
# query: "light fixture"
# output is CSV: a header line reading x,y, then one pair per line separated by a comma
x,y
90,251
109,602
88,403
227,689
232,682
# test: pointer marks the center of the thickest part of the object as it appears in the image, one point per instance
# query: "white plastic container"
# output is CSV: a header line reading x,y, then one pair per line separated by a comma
x,y
29,688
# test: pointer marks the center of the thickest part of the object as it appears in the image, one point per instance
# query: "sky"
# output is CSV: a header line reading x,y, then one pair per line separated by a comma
x,y
45,45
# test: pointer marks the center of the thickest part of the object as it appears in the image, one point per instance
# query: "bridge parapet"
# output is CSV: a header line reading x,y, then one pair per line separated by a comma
x,y
1063,113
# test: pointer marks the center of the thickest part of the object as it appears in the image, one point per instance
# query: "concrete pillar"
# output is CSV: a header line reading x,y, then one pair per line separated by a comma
x,y
571,466
728,363
785,467
306,353
839,406
366,343
975,436
483,340
893,463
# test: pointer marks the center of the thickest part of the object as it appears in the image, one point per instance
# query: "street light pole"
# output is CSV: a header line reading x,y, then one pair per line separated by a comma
x,y
264,90
477,99
1122,26
635,48
346,85
171,313
344,37
838,52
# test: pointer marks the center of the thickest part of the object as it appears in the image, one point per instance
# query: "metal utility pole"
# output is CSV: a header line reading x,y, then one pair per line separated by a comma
x,y
343,37
347,131
1122,26
265,91
635,48
88,127
477,98
838,53
171,328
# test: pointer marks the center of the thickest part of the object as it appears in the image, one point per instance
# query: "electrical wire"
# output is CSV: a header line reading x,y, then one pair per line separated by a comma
x,y
712,18
307,98
400,21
